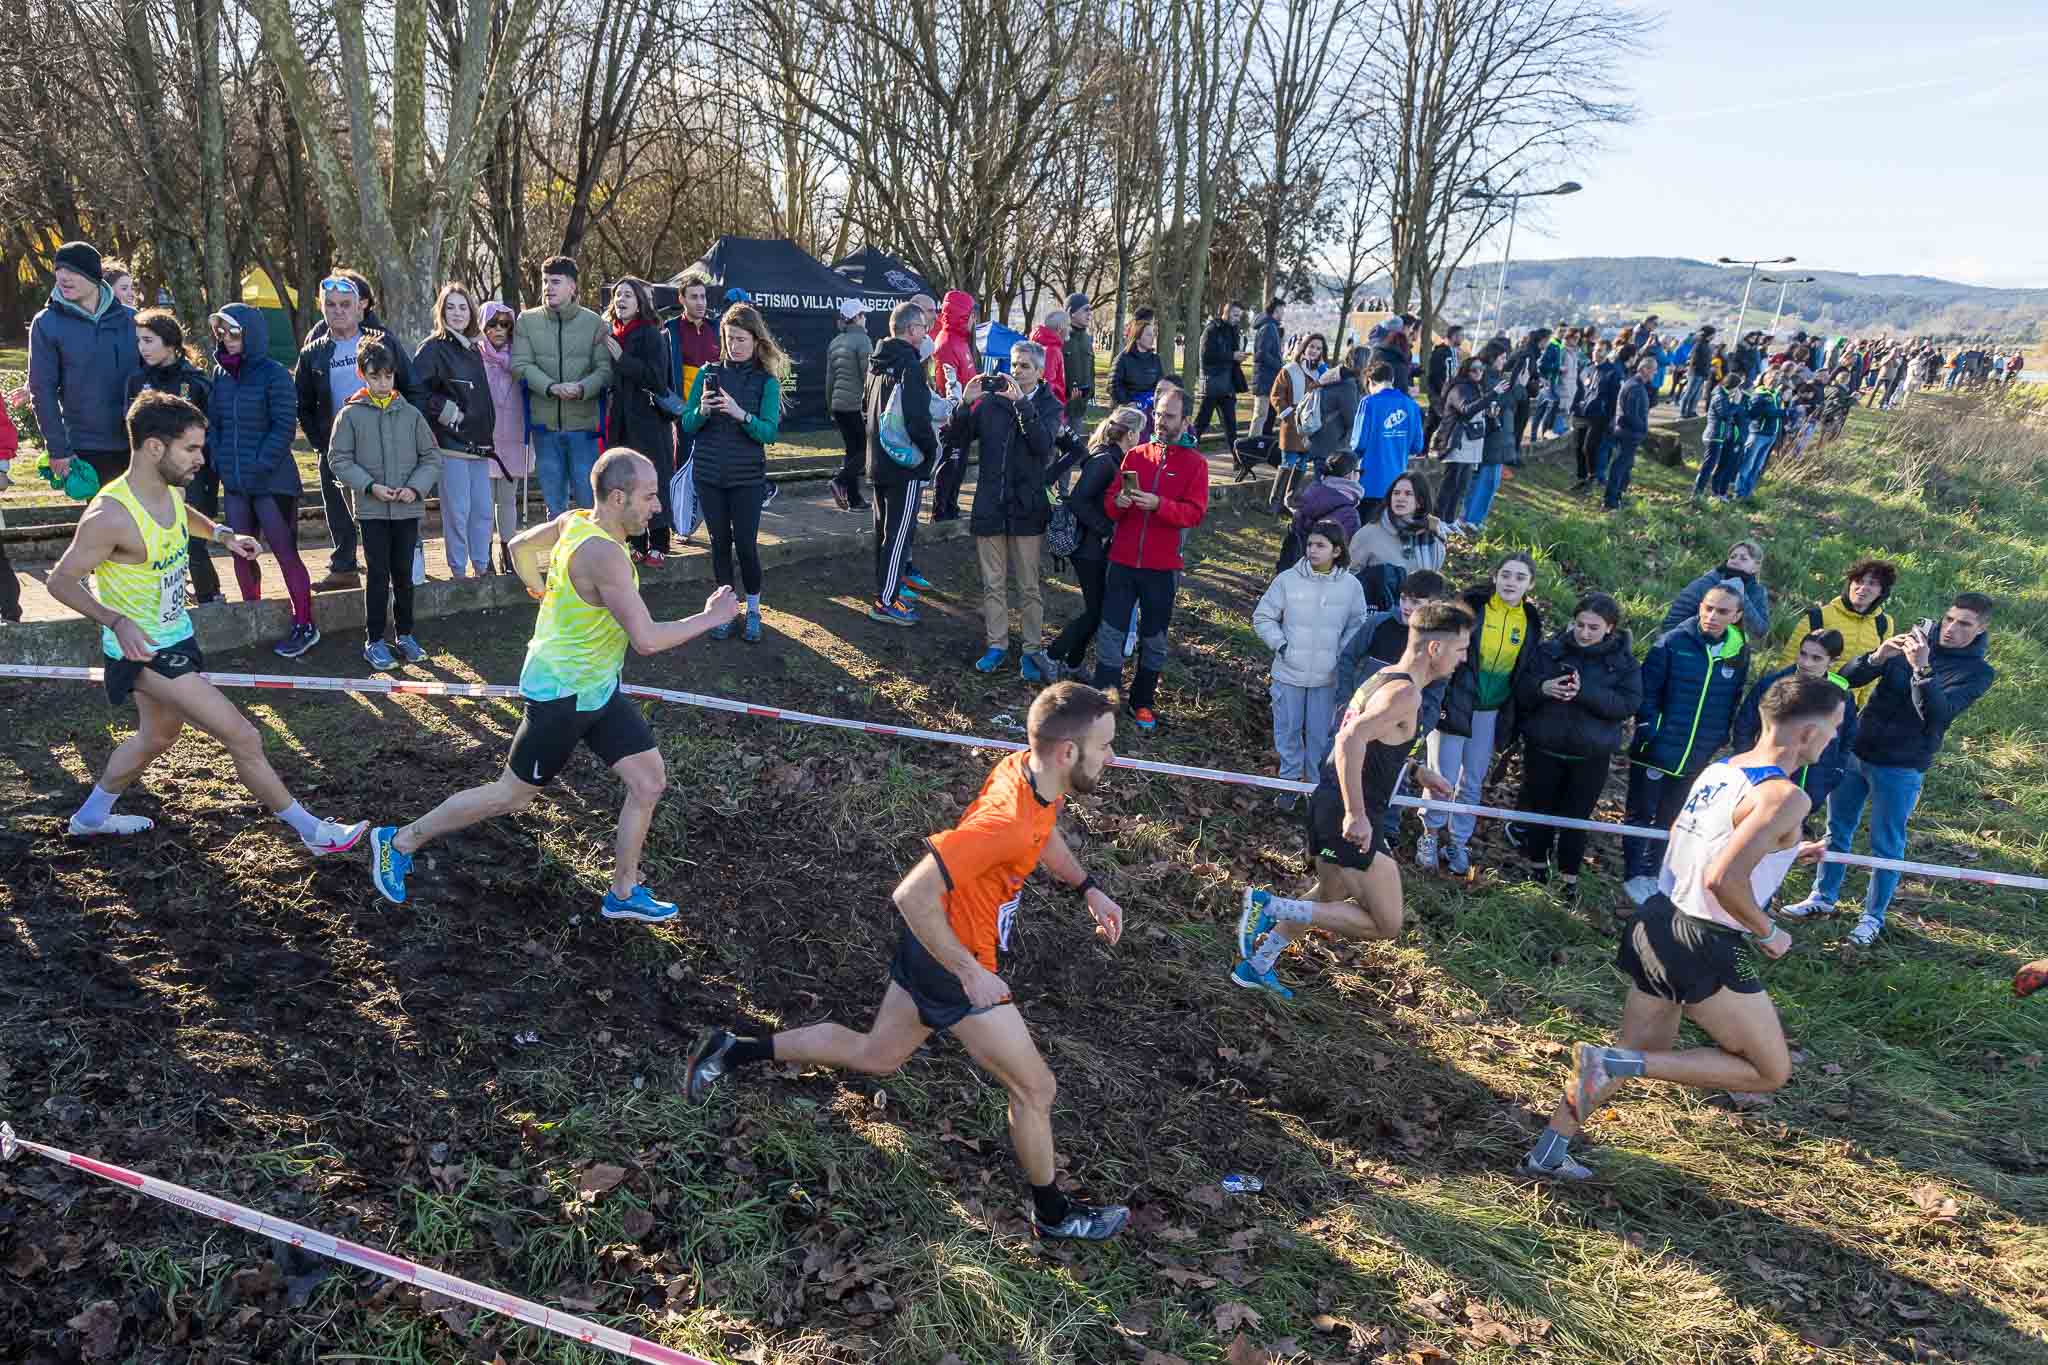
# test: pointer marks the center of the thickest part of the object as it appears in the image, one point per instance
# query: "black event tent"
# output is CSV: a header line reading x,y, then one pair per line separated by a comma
x,y
884,281
798,297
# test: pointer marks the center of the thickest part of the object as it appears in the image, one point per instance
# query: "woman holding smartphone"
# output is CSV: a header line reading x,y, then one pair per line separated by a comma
x,y
735,411
1581,685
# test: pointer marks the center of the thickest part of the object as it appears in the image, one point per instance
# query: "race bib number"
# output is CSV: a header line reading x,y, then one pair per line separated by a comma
x,y
1006,918
170,607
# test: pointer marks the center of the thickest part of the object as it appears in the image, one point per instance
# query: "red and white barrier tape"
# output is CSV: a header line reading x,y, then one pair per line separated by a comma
x,y
428,688
352,1253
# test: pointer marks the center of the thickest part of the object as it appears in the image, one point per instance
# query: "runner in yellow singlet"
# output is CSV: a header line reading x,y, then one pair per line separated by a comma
x,y
134,542
590,611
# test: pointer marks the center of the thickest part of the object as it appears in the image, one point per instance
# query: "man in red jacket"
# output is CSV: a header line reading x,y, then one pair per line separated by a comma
x,y
1161,491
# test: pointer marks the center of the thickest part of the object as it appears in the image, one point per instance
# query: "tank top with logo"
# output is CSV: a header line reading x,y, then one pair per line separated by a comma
x,y
152,593
578,647
1703,829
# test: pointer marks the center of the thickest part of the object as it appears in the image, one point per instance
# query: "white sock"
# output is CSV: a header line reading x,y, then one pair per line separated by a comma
x,y
1301,912
300,819
1269,951
99,804
753,604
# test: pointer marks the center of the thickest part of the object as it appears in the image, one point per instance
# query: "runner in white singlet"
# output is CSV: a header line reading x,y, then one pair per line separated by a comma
x,y
1687,950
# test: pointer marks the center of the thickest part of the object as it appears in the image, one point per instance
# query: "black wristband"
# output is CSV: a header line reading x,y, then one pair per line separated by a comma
x,y
1087,884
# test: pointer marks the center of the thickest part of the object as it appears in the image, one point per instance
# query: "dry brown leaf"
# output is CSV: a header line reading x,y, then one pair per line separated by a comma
x,y
99,1330
28,1258
598,1179
636,1224
1185,1278
1244,1352
1233,1315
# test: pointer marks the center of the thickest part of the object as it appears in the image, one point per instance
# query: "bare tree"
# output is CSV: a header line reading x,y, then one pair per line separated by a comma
x,y
1309,69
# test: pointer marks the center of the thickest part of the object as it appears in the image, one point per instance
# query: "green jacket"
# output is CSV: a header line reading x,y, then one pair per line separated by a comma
x,y
1079,354
551,348
394,446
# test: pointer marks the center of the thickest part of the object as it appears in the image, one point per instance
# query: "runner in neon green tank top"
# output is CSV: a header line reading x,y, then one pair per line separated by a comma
x,y
590,610
133,542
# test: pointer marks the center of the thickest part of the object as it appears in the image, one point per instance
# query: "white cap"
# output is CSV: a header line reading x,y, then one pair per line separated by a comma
x,y
851,308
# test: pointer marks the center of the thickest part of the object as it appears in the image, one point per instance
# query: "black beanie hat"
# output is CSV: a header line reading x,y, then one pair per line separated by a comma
x,y
559,265
82,257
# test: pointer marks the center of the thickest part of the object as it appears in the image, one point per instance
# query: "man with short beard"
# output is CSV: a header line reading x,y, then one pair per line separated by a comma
x,y
134,542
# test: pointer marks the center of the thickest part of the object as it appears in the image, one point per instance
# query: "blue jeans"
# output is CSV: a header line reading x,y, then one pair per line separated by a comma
x,y
1463,761
1689,405
1892,793
1755,460
564,459
1717,468
1479,501
1620,456
1302,717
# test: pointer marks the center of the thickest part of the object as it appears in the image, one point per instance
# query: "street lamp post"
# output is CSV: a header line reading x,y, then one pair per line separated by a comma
x,y
1514,207
1743,316
1782,284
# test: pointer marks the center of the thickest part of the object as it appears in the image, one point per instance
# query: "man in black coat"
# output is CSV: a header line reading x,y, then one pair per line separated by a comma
x,y
1222,372
1268,359
1015,417
897,367
325,379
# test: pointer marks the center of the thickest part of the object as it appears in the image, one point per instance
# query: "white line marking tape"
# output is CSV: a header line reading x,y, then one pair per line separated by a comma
x,y
335,1248
408,687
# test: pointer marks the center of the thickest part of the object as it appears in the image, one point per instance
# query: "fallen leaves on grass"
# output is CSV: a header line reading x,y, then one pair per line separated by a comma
x,y
99,1330
1233,1315
1937,1205
598,1179
1244,1352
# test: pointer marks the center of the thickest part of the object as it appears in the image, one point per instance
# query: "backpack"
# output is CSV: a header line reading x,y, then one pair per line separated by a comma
x,y
1308,417
895,434
1063,532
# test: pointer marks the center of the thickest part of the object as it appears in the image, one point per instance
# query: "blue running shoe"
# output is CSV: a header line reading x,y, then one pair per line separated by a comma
x,y
893,614
1245,975
1085,1223
641,905
388,865
377,655
1253,922
411,649
907,595
721,632
918,581
1039,668
991,661
752,633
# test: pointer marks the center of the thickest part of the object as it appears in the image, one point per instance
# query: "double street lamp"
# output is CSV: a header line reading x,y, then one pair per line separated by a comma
x,y
1782,284
1514,200
1743,316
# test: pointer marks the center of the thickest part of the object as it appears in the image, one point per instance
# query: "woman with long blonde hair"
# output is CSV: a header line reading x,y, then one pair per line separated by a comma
x,y
735,411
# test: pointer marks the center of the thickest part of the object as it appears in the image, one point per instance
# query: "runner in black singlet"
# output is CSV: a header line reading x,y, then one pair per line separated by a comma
x,y
1357,893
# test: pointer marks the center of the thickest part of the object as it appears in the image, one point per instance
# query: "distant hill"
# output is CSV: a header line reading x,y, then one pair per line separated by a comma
x,y
1618,288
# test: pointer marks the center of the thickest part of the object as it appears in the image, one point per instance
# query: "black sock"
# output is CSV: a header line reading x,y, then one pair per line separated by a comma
x,y
1053,1206
748,1050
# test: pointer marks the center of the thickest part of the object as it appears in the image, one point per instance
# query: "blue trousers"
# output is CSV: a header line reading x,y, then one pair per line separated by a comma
x,y
1755,459
1717,467
1891,793
1620,456
1479,500
564,459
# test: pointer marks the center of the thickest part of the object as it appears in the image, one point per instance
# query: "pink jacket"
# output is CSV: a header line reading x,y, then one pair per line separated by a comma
x,y
1055,360
509,437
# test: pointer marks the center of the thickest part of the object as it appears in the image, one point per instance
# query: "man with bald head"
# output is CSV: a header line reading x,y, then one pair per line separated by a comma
x,y
578,568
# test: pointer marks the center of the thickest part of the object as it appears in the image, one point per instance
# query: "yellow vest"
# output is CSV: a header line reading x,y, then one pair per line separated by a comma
x,y
578,647
152,593
1860,634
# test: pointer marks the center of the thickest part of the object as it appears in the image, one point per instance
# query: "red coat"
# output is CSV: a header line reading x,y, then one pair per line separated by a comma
x,y
953,362
1151,540
1055,360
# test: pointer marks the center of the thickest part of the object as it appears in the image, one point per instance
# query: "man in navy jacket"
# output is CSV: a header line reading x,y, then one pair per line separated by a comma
x,y
1924,681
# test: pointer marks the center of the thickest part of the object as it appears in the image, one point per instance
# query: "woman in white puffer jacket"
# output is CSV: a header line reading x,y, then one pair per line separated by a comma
x,y
1305,616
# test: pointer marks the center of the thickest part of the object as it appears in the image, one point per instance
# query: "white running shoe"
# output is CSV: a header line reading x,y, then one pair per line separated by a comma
x,y
333,838
1639,889
113,824
1866,931
1812,905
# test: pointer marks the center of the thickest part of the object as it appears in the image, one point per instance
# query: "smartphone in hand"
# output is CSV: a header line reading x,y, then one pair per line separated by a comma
x,y
1130,480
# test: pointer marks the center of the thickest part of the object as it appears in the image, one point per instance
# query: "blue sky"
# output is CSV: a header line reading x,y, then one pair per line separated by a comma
x,y
1881,137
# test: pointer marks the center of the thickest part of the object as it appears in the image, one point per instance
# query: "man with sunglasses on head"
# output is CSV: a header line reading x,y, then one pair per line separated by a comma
x,y
326,378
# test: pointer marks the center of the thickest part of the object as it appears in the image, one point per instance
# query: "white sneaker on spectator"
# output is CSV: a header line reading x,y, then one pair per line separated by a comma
x,y
1812,905
1866,931
1639,889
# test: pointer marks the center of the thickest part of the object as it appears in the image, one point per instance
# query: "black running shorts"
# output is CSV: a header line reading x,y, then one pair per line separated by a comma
x,y
1673,956
940,998
551,730
1324,818
171,661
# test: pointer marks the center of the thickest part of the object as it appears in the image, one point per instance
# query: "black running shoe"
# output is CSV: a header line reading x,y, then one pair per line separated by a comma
x,y
1084,1223
707,1064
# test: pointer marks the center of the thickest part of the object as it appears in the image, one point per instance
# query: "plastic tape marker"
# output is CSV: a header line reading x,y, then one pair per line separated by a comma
x,y
406,687
335,1248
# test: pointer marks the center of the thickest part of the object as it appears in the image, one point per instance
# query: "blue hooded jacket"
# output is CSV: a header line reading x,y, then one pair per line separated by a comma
x,y
1387,432
1689,699
78,369
251,415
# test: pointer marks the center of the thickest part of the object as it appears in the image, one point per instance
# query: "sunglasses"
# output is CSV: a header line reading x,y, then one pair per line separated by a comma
x,y
338,284
225,326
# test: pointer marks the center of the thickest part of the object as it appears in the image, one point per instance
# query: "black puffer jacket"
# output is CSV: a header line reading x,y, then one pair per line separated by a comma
x,y
1016,449
728,453
1461,698
640,375
1098,472
1610,690
1135,374
1907,718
